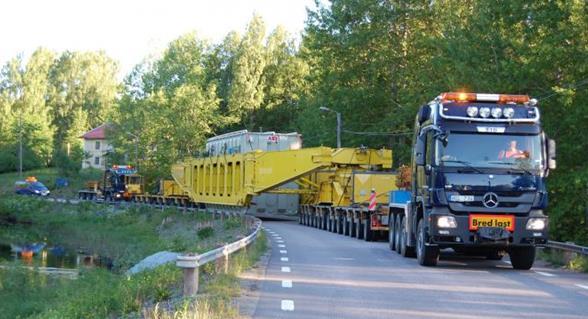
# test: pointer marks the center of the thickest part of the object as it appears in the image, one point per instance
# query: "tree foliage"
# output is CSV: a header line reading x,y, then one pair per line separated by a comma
x,y
373,61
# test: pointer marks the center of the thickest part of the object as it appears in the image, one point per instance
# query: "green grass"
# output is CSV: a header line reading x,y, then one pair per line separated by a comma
x,y
219,291
126,236
558,258
48,176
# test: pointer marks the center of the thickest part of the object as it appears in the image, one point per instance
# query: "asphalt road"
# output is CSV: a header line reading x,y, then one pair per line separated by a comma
x,y
317,274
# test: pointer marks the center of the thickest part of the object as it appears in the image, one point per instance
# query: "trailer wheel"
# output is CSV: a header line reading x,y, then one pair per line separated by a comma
x,y
426,255
367,230
522,258
346,226
358,228
351,229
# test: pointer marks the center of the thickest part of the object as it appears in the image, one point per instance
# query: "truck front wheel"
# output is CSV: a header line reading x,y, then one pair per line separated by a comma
x,y
522,257
426,255
391,231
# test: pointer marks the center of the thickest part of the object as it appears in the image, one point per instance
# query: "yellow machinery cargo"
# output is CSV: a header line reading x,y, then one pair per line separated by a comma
x,y
336,184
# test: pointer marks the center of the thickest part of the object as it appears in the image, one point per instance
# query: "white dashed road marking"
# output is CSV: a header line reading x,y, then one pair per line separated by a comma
x,y
288,305
283,251
279,241
582,286
286,283
546,274
285,269
284,259
282,246
344,258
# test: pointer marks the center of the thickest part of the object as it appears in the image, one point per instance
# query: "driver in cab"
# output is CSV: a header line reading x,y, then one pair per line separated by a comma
x,y
513,152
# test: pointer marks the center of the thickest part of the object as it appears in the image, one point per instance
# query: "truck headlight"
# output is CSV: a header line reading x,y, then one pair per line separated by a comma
x,y
484,112
536,224
446,222
472,111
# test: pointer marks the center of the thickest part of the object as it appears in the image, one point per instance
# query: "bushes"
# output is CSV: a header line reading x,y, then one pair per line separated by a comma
x,y
568,206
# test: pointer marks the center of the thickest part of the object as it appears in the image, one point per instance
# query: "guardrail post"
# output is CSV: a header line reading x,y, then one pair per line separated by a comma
x,y
190,264
226,253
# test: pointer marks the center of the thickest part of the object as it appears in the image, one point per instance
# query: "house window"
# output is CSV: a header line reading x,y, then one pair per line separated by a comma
x,y
96,160
97,145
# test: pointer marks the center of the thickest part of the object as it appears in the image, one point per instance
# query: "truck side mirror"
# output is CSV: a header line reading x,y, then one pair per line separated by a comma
x,y
419,150
424,114
551,155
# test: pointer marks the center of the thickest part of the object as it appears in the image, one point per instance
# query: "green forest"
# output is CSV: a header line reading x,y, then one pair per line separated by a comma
x,y
375,62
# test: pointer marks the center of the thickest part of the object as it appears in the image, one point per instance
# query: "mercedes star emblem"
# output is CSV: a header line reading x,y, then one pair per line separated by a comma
x,y
490,200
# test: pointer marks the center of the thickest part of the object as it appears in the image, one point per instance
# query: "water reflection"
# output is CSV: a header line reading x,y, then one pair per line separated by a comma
x,y
43,255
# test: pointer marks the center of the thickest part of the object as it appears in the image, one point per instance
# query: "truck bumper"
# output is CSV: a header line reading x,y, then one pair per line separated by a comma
x,y
489,237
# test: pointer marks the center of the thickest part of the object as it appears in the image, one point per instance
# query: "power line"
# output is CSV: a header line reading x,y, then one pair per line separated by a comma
x,y
379,133
575,85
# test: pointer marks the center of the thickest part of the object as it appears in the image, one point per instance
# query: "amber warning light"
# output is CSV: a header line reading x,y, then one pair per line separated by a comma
x,y
484,97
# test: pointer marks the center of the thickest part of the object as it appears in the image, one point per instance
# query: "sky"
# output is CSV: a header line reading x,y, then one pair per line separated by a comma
x,y
131,30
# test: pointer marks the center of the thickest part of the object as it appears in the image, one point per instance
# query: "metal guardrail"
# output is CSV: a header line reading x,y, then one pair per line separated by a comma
x,y
191,263
567,246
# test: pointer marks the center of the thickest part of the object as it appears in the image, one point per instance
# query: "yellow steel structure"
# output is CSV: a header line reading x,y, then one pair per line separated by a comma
x,y
233,179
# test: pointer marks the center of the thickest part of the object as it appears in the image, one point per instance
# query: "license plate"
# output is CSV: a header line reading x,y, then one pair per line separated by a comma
x,y
502,221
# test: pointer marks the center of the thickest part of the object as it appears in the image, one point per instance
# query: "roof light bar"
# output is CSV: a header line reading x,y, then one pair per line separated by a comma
x,y
484,97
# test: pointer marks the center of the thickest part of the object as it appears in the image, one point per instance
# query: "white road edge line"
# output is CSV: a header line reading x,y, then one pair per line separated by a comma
x,y
286,283
546,274
288,305
285,269
283,251
582,286
284,259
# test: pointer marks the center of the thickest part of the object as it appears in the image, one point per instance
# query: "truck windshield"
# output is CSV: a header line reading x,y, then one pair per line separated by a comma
x,y
521,152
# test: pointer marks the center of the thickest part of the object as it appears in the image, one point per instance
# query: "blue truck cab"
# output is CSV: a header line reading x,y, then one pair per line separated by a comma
x,y
479,165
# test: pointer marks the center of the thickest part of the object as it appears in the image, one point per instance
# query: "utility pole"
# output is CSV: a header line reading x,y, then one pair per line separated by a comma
x,y
339,130
339,123
20,145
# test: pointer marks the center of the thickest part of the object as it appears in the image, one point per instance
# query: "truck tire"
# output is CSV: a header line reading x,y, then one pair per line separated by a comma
x,y
359,229
368,234
391,231
351,230
522,258
426,255
346,227
405,250
398,233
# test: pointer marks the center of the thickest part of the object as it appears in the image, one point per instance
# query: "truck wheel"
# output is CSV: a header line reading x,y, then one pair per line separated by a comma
x,y
351,230
522,257
391,231
426,255
367,230
398,233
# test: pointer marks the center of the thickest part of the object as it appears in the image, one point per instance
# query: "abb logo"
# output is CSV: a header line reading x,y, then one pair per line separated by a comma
x,y
273,139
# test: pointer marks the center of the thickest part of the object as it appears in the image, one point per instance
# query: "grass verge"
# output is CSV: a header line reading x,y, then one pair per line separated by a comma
x,y
124,235
219,291
560,258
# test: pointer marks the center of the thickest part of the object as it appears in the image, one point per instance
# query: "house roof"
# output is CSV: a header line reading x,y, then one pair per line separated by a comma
x,y
98,133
